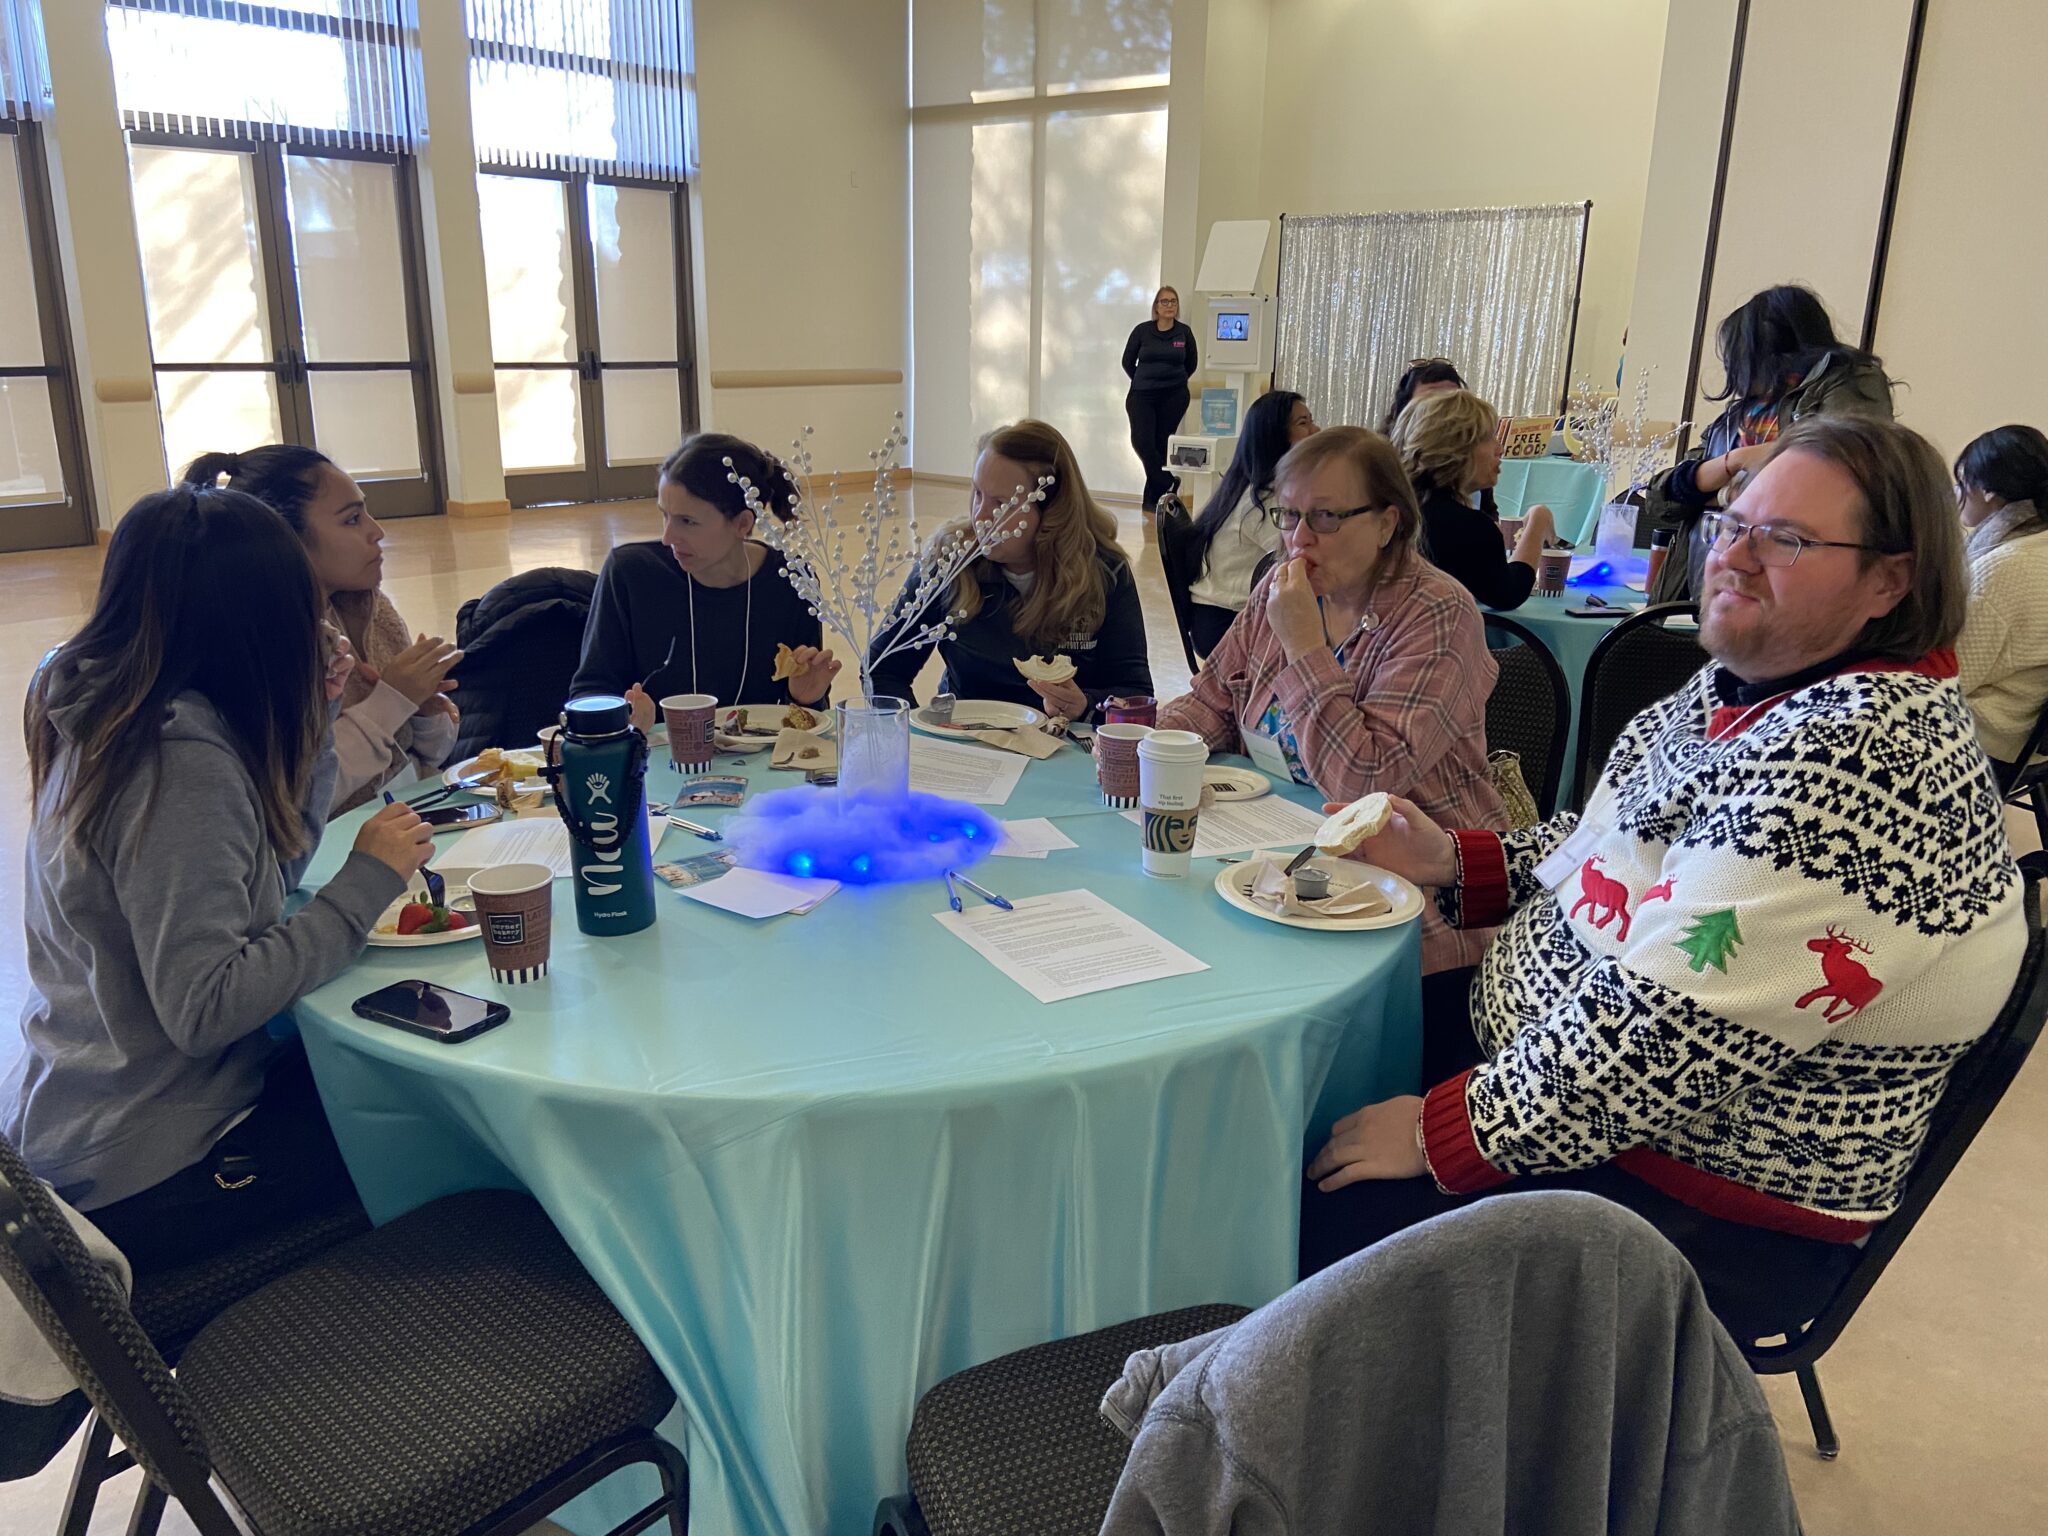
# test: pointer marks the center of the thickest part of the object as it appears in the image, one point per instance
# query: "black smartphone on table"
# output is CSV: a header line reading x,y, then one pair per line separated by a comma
x,y
444,817
440,1014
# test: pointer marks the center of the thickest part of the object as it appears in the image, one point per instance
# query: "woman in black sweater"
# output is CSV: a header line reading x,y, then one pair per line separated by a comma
x,y
1159,359
1057,585
1450,446
702,608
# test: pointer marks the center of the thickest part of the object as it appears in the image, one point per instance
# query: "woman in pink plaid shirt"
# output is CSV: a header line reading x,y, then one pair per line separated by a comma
x,y
1358,665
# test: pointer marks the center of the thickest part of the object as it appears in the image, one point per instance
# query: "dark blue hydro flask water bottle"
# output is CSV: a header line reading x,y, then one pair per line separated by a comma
x,y
597,766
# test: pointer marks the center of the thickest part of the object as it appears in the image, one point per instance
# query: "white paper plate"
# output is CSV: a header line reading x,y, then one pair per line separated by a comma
x,y
459,900
1011,717
467,766
1236,783
763,718
1234,881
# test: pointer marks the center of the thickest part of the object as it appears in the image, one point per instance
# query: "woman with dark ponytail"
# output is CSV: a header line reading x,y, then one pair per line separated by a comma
x,y
2002,498
396,714
180,779
703,608
1234,534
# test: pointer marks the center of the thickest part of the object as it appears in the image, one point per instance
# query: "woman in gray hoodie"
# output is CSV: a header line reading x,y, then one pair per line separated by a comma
x,y
180,765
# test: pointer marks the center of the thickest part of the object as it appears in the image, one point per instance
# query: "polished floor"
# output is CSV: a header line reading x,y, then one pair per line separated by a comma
x,y
1939,1388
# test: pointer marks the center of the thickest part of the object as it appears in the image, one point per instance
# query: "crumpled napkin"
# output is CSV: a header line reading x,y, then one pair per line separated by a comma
x,y
1351,894
803,750
1032,741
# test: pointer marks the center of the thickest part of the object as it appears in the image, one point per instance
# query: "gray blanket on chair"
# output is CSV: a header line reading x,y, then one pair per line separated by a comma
x,y
1542,1363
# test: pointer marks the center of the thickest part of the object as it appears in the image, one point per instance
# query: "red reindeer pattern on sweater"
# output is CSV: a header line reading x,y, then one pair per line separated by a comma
x,y
1850,986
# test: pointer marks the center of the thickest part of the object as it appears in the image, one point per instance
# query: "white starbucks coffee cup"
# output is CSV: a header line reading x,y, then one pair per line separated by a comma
x,y
1170,767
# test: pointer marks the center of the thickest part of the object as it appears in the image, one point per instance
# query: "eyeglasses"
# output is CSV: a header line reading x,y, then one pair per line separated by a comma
x,y
1771,543
1323,520
1424,362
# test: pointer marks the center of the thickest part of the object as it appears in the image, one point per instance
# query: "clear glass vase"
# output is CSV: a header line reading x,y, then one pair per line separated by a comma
x,y
874,747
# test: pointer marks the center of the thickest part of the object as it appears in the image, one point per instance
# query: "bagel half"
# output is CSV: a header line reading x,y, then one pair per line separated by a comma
x,y
1059,670
1344,830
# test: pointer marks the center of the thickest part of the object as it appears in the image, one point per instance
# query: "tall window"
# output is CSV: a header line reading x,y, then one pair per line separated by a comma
x,y
1038,153
269,154
42,499
584,120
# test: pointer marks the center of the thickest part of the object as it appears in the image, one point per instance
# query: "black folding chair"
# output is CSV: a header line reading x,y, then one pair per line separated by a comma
x,y
1974,1088
1529,712
2024,780
1017,1446
172,1306
1636,663
1180,561
456,1371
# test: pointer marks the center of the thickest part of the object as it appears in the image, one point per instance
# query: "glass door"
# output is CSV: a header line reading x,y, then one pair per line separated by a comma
x,y
283,307
589,332
42,499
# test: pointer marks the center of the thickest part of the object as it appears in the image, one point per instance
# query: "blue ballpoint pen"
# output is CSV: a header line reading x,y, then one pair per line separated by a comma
x,y
952,896
986,895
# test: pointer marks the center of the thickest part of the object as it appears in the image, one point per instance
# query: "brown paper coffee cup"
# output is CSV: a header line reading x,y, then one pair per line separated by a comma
x,y
515,908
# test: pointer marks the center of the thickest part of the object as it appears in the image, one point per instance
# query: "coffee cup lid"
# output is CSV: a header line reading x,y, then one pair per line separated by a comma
x,y
1174,747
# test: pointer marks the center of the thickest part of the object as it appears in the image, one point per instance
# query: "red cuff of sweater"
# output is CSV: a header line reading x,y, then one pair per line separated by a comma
x,y
1482,879
1448,1145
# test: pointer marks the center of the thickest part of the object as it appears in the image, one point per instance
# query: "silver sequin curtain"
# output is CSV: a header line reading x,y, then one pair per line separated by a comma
x,y
1492,289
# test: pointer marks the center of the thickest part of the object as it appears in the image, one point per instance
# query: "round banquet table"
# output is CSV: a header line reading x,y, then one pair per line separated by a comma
x,y
821,1162
1574,492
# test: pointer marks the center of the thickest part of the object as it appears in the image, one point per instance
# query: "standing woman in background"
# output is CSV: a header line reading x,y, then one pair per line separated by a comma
x,y
1159,359
2002,653
1783,362
1235,532
395,711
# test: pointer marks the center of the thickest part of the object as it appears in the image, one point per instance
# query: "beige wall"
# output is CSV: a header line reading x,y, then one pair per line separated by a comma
x,y
1380,105
804,214
1962,321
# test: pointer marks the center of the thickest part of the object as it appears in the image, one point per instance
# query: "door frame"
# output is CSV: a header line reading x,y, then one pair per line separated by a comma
x,y
599,479
387,497
71,521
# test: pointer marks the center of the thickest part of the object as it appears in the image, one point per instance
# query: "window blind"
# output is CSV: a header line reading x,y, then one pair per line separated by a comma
x,y
24,78
604,86
328,73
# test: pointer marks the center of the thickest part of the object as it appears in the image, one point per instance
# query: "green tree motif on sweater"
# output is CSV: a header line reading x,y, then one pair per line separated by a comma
x,y
1711,939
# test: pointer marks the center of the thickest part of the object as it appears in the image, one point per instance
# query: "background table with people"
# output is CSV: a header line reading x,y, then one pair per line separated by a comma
x,y
715,1112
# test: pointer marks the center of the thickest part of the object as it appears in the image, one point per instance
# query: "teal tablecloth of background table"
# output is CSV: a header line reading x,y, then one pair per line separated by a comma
x,y
1574,492
822,1162
1571,641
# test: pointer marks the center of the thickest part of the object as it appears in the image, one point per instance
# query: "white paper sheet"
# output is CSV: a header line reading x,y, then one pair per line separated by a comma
x,y
1244,826
1067,944
973,774
528,840
1032,838
761,893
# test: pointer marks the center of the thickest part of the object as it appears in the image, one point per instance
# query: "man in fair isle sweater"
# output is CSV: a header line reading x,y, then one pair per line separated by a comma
x,y
1729,993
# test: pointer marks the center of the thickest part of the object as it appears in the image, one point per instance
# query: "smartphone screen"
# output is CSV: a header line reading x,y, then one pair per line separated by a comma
x,y
426,1009
459,815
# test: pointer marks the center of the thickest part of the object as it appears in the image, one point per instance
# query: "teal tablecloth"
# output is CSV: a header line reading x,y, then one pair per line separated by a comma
x,y
1574,492
822,1162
